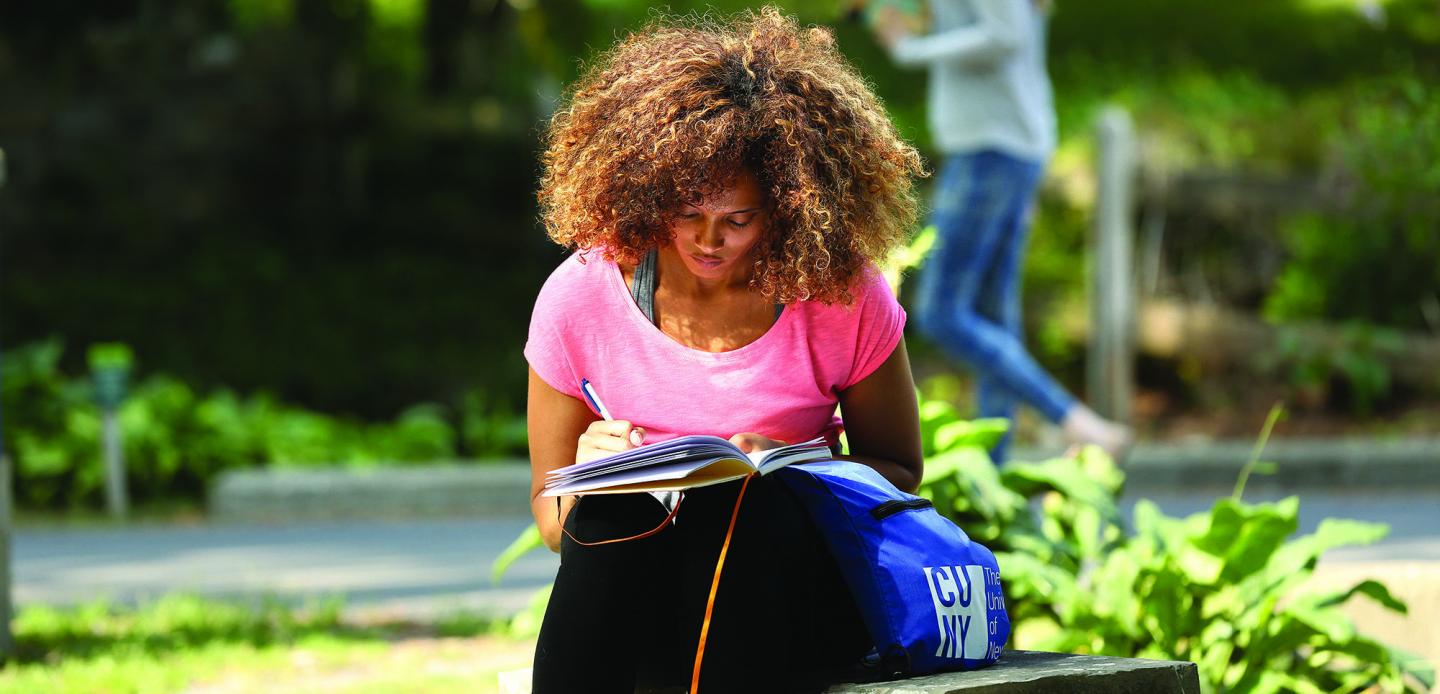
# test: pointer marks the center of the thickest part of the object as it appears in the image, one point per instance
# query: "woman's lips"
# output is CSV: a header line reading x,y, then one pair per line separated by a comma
x,y
708,261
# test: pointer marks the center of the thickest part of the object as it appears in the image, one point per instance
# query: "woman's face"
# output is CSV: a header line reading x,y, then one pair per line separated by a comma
x,y
714,237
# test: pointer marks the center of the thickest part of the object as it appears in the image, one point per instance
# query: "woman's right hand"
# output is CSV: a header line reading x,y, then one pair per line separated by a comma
x,y
892,26
607,437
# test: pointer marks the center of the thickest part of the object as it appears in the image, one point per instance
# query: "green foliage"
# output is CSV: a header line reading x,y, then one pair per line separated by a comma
x,y
488,427
176,439
171,623
1255,465
316,199
1217,588
1382,234
110,356
994,505
464,623
320,199
1300,42
182,642
527,541
525,623
1358,355
1189,116
52,428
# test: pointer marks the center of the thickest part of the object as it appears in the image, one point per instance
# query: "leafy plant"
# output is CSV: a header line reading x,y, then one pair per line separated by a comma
x,y
525,623
52,429
1217,588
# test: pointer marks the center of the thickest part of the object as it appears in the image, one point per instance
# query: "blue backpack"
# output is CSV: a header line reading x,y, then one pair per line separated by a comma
x,y
930,597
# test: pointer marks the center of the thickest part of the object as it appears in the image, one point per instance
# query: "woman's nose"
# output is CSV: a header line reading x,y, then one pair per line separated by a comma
x,y
709,239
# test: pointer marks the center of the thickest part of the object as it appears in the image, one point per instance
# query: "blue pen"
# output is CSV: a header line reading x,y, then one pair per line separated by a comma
x,y
666,499
594,399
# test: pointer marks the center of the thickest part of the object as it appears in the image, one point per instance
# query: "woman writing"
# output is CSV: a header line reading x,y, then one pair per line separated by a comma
x,y
728,189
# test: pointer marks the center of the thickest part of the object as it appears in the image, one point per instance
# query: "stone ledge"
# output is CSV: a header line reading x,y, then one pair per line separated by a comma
x,y
492,488
500,487
1019,672
1337,463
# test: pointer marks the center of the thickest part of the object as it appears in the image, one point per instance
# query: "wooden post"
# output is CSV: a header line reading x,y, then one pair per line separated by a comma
x,y
110,368
1110,364
117,498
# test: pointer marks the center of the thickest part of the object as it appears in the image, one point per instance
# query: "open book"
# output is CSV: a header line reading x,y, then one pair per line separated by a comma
x,y
689,461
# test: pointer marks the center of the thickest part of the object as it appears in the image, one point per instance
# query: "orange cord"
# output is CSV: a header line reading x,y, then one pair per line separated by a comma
x,y
715,586
641,536
714,583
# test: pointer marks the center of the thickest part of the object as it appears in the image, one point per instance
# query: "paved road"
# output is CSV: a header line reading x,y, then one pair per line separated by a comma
x,y
409,567
421,567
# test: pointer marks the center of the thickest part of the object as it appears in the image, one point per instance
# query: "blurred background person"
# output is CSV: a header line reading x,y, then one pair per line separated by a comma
x,y
991,114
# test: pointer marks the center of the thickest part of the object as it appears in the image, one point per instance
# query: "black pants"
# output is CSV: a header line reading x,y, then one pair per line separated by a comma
x,y
626,616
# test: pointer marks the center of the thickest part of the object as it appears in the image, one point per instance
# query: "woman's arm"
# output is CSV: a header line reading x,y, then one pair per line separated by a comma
x,y
562,431
999,30
555,422
882,422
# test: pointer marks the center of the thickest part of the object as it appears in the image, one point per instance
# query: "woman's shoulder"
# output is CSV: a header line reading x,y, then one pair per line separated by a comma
x,y
581,271
582,266
869,290
854,338
871,284
579,285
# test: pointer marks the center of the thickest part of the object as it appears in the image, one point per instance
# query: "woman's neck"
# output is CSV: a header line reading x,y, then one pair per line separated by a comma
x,y
678,280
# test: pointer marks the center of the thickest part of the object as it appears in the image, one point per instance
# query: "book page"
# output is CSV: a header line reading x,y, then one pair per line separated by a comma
x,y
775,458
688,461
689,473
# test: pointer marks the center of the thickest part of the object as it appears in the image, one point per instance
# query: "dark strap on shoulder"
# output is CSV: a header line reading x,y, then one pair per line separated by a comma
x,y
642,286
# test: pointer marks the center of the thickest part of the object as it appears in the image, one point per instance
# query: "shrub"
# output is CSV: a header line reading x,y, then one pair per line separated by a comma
x,y
1218,588
1382,234
176,440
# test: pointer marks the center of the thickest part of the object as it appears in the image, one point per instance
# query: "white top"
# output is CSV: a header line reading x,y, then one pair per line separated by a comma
x,y
988,85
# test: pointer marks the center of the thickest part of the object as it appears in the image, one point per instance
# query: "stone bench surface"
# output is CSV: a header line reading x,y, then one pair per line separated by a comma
x,y
1017,672
1053,673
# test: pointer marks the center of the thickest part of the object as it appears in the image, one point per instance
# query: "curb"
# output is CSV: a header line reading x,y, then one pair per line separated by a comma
x,y
490,488
1348,464
501,487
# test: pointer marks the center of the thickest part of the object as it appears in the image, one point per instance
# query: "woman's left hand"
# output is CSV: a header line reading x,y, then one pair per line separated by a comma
x,y
749,443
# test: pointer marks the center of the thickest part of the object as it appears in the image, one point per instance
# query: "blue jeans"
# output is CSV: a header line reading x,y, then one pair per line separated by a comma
x,y
968,299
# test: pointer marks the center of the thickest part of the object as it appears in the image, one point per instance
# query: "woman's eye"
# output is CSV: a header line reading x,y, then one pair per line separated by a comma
x,y
740,225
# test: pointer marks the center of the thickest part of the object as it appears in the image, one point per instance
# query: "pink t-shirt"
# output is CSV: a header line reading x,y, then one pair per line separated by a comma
x,y
784,385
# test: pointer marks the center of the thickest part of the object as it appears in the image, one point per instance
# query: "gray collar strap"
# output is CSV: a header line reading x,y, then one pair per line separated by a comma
x,y
642,286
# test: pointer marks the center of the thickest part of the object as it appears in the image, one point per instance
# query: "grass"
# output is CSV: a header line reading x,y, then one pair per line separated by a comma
x,y
187,643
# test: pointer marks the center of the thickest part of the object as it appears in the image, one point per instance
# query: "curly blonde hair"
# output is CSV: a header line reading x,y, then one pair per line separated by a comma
x,y
674,111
